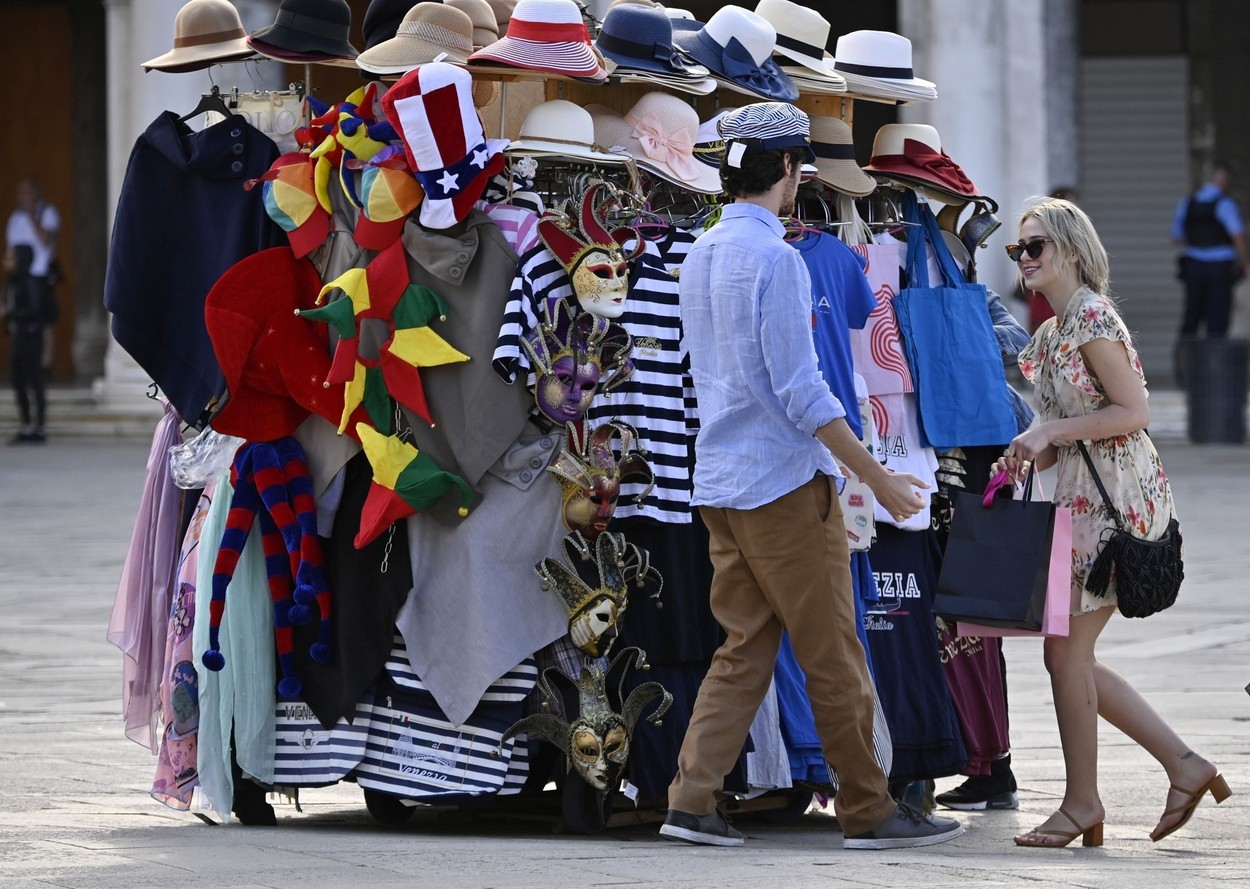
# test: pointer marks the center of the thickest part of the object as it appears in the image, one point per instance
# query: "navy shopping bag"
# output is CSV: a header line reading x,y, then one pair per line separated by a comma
x,y
961,387
996,569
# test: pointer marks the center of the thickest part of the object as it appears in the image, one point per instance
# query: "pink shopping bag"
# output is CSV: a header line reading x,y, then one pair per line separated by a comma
x,y
1058,587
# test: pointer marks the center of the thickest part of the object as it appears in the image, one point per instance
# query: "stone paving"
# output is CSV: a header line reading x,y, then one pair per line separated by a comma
x,y
74,808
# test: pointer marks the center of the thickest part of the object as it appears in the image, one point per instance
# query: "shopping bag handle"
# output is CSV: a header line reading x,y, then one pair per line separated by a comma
x,y
1001,479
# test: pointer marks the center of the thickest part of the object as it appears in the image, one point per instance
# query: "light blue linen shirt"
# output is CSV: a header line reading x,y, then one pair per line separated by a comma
x,y
746,309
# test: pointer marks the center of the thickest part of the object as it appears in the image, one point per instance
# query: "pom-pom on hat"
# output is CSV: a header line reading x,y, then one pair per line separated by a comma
x,y
405,481
431,107
205,32
290,195
429,30
546,35
272,487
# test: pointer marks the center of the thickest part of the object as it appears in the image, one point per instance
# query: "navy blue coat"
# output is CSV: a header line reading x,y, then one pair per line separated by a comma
x,y
183,218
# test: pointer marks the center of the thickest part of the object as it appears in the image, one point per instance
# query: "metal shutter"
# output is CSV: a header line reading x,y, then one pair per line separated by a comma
x,y
1135,151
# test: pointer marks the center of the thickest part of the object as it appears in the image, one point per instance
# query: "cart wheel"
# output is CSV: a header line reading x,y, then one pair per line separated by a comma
x,y
797,803
387,809
585,809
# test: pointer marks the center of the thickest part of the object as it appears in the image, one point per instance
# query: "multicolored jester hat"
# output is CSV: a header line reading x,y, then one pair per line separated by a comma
x,y
382,290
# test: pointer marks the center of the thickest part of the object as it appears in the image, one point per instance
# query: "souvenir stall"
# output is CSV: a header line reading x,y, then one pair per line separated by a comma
x,y
426,461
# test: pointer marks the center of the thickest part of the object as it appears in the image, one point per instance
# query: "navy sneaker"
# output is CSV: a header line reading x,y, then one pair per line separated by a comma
x,y
905,829
712,829
997,790
974,797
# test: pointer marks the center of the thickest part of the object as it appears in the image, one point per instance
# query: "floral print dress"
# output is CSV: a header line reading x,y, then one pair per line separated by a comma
x,y
1128,465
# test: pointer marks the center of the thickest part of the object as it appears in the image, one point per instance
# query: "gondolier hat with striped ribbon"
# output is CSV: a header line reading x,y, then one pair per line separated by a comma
x,y
765,126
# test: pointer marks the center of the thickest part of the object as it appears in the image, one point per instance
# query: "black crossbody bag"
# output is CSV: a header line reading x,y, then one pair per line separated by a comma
x,y
1148,573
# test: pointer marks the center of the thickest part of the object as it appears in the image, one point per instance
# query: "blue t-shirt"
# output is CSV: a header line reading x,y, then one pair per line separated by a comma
x,y
841,300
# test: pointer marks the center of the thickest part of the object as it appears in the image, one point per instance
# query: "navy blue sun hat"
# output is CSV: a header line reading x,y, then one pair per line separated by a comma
x,y
641,37
737,45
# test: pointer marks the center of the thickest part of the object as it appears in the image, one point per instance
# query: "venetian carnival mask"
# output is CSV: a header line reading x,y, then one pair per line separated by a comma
x,y
590,473
601,283
577,233
575,358
595,738
593,582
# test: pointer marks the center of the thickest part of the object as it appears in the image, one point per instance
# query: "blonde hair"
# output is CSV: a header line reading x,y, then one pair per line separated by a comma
x,y
1076,242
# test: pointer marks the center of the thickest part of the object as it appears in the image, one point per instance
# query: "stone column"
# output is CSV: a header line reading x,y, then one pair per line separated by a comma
x,y
1063,104
988,61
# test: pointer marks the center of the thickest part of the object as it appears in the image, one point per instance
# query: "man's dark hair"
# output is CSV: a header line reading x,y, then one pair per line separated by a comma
x,y
759,172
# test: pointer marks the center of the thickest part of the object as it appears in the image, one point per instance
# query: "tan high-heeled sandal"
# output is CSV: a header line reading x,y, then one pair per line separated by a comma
x,y
1057,839
1219,790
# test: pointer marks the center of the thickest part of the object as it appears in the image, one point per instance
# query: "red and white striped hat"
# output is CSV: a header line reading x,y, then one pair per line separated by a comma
x,y
546,35
431,107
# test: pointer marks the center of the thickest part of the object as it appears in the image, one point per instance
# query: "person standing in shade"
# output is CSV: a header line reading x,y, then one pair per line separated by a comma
x,y
1208,226
766,484
29,306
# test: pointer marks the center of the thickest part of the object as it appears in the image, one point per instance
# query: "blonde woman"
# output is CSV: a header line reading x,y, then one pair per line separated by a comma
x,y
1091,388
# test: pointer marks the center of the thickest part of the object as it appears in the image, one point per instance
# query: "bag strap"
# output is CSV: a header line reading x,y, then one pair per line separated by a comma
x,y
925,230
1106,498
916,264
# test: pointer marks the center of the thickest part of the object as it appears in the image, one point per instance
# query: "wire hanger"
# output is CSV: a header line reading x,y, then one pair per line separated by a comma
x,y
210,101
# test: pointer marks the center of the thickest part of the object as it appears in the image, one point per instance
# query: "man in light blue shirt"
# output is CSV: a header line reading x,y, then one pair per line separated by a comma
x,y
766,484
1208,225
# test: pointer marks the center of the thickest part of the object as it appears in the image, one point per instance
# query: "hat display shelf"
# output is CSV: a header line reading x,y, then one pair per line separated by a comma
x,y
589,451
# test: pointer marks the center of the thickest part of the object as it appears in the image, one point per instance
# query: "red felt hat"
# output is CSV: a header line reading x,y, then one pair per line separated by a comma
x,y
275,362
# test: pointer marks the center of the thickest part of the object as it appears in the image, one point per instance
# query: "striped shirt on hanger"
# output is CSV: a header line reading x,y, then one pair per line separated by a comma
x,y
658,398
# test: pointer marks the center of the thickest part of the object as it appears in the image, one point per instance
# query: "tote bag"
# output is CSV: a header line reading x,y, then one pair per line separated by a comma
x,y
997,569
950,346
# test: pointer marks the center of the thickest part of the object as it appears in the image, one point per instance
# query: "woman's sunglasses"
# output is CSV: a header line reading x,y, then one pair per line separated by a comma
x,y
1033,248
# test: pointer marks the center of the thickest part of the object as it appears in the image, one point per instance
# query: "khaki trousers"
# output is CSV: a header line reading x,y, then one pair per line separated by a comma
x,y
784,565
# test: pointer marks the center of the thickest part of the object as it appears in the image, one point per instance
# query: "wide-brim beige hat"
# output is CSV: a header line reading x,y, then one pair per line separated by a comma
x,y
428,30
559,128
659,133
485,28
835,157
205,32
